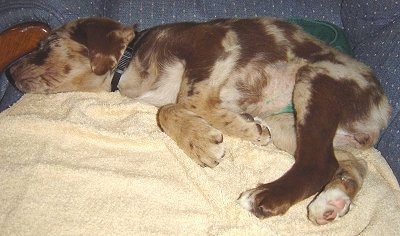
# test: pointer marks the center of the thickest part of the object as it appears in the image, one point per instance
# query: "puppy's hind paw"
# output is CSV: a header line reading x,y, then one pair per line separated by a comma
x,y
257,133
264,202
328,206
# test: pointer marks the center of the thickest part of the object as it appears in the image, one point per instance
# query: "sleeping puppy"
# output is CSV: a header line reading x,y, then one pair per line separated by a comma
x,y
234,77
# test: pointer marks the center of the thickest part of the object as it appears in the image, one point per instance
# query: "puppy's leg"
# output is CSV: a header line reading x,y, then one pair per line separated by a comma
x,y
283,131
243,125
334,201
315,162
193,134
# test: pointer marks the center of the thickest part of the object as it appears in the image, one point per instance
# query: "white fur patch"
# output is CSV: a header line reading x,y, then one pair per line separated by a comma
x,y
302,95
167,87
246,199
325,202
223,67
347,71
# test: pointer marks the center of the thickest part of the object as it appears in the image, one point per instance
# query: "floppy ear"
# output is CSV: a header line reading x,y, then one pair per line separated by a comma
x,y
105,40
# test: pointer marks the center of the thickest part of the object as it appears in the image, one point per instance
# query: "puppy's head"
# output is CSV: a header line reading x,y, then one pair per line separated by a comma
x,y
78,56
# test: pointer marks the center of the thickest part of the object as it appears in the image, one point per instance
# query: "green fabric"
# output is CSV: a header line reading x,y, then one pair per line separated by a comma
x,y
325,31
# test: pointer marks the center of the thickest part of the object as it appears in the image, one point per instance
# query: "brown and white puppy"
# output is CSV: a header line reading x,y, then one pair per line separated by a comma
x,y
213,78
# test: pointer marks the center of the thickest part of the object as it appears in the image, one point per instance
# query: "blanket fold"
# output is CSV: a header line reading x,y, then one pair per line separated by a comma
x,y
97,164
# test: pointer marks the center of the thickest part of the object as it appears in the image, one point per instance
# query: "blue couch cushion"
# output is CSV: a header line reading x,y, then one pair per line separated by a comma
x,y
155,12
373,28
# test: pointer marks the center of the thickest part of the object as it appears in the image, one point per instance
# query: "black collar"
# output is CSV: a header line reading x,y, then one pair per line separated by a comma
x,y
126,58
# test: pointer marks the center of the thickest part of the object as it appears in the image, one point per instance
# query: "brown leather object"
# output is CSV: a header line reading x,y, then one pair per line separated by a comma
x,y
19,40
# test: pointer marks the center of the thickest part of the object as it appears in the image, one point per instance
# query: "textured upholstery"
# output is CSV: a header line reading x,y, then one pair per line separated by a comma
x,y
372,27
154,12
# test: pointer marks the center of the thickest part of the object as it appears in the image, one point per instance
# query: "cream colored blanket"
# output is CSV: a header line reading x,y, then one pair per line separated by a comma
x,y
97,164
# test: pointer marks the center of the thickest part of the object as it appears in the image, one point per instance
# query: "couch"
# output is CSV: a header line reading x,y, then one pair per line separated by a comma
x,y
372,28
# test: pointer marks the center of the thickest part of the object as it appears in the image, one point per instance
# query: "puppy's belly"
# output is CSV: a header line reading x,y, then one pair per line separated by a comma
x,y
262,93
277,105
269,95
277,95
265,105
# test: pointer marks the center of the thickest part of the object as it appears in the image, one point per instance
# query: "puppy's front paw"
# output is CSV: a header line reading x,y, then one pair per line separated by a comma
x,y
194,135
205,146
329,205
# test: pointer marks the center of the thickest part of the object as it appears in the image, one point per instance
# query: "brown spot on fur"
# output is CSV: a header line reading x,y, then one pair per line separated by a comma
x,y
251,92
227,123
257,42
307,49
288,28
67,69
303,72
340,96
214,101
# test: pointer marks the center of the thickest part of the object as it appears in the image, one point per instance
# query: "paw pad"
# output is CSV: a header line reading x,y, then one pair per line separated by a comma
x,y
328,206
